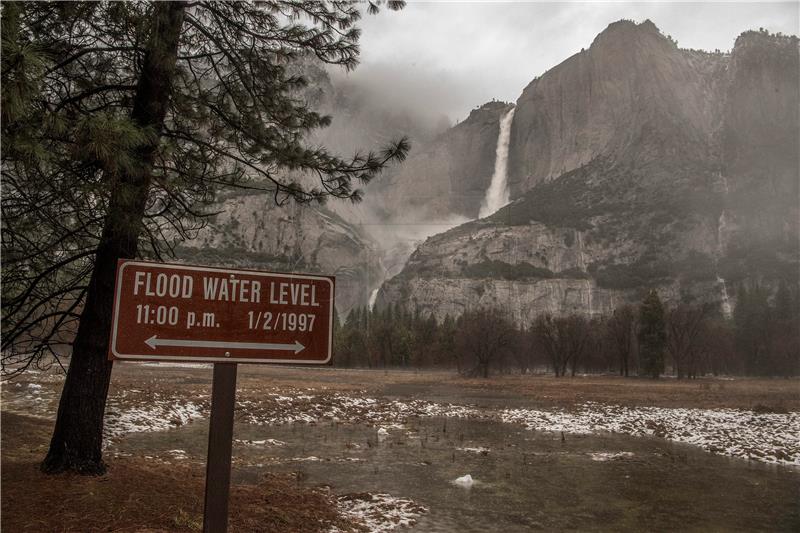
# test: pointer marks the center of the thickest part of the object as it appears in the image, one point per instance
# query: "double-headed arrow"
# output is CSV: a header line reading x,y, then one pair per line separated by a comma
x,y
154,342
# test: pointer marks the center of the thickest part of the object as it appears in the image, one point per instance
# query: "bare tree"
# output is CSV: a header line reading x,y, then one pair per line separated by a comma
x,y
621,330
483,335
521,350
686,329
564,339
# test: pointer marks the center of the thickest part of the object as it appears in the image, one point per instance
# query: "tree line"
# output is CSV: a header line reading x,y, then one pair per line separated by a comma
x,y
762,338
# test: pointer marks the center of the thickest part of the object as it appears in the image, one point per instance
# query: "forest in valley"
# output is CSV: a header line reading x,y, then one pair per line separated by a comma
x,y
650,339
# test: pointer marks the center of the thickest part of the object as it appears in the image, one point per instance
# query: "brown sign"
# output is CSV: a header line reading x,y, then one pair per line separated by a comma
x,y
190,313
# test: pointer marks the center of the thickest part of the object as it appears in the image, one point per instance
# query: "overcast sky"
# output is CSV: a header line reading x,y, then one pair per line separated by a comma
x,y
449,57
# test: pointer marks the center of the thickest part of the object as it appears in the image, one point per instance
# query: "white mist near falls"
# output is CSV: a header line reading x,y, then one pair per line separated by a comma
x,y
497,194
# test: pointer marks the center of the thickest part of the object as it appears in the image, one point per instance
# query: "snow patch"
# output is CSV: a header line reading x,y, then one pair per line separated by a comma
x,y
769,438
178,454
464,481
480,449
610,456
271,442
275,409
150,412
380,512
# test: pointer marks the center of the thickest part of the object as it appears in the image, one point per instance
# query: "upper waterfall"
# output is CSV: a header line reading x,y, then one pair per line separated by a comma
x,y
497,194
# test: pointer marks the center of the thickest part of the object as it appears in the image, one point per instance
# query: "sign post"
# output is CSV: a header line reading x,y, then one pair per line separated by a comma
x,y
220,439
168,312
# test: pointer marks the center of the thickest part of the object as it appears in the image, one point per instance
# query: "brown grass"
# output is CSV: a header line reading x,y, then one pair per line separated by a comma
x,y
777,395
138,495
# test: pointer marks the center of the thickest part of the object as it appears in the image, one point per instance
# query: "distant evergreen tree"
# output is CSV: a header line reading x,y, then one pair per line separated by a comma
x,y
652,335
786,331
784,302
752,322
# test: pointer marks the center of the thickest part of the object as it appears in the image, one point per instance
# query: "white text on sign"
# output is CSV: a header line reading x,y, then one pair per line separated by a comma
x,y
225,289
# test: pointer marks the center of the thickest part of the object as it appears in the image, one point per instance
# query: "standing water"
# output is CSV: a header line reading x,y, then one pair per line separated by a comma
x,y
497,193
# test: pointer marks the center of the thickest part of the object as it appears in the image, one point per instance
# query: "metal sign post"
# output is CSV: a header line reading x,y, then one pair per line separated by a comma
x,y
190,313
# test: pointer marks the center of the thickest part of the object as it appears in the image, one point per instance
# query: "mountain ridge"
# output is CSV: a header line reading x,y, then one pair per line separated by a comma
x,y
637,178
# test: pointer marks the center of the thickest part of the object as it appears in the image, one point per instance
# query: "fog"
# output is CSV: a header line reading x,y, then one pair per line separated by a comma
x,y
450,57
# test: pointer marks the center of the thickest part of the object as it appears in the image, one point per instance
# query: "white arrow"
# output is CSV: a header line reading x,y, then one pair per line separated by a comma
x,y
154,342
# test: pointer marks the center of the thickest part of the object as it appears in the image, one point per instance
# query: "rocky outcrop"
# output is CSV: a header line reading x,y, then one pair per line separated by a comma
x,y
633,165
632,92
760,161
251,232
585,242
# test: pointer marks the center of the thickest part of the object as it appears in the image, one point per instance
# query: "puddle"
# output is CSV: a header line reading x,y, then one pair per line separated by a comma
x,y
523,480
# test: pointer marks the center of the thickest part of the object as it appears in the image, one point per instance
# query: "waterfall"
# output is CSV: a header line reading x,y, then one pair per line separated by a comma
x,y
373,296
497,193
722,226
727,311
726,302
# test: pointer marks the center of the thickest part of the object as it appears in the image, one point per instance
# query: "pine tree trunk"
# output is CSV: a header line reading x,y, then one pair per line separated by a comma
x,y
76,444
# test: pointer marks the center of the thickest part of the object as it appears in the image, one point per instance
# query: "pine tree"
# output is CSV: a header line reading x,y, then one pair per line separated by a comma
x,y
753,329
120,122
652,335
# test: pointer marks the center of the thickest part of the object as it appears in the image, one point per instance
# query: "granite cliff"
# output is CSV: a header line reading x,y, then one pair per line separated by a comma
x,y
632,165
450,174
251,232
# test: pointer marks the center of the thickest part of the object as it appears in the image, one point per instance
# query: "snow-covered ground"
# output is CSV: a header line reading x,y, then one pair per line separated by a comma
x,y
379,512
770,438
136,411
282,409
766,437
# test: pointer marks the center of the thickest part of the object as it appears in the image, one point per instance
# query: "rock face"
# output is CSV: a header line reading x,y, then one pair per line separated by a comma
x,y
633,93
451,174
759,148
633,165
251,232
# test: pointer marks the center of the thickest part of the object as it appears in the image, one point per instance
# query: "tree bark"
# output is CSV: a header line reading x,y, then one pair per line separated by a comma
x,y
76,444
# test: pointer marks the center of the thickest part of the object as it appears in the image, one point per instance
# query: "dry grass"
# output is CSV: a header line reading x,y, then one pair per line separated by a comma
x,y
138,495
776,395
781,395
